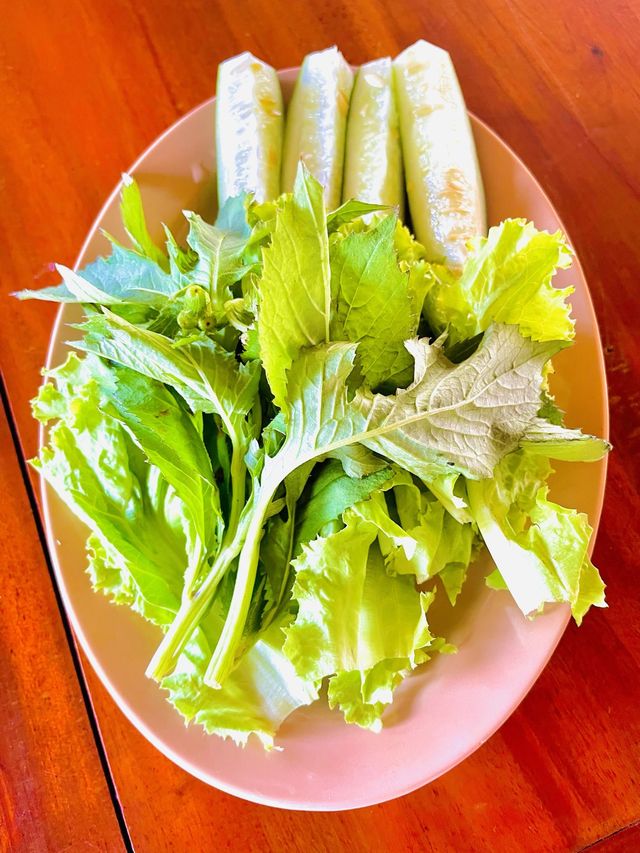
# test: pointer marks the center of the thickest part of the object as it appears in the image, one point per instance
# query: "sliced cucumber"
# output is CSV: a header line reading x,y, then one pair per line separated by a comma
x,y
317,121
249,128
373,157
444,184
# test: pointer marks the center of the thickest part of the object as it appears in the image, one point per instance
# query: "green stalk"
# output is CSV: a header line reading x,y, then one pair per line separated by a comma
x,y
194,606
223,656
238,473
193,572
188,617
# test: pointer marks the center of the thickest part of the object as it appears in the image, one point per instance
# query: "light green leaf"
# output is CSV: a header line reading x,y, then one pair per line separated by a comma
x,y
465,416
351,613
260,693
425,541
468,415
362,696
294,289
171,439
106,480
507,278
206,376
372,303
356,623
331,493
558,442
135,225
539,547
350,210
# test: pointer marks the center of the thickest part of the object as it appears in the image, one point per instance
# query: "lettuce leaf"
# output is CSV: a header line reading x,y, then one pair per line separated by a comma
x,y
425,541
260,693
507,278
355,622
96,468
331,493
539,547
557,442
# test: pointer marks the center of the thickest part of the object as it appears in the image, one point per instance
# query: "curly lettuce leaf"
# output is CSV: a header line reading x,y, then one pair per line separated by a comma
x,y
256,698
355,622
351,613
258,695
425,540
507,278
363,696
539,547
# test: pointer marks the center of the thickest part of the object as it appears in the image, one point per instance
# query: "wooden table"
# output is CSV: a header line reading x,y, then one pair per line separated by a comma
x,y
86,86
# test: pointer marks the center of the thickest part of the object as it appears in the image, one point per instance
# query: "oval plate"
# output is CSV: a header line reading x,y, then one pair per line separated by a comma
x,y
449,707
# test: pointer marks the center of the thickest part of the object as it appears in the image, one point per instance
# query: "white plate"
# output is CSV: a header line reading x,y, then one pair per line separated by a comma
x,y
449,707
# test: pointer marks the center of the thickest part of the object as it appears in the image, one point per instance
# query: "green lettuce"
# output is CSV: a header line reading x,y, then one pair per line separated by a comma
x,y
507,278
425,540
137,520
355,622
539,547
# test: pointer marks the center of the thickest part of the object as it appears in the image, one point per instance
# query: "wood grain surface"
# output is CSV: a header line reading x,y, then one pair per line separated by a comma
x,y
84,88
53,790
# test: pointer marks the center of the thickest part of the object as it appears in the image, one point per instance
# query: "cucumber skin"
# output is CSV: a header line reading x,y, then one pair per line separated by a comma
x,y
315,128
249,129
444,184
373,169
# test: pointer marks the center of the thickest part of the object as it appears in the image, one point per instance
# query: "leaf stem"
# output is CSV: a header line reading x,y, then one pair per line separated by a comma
x,y
238,473
223,656
194,606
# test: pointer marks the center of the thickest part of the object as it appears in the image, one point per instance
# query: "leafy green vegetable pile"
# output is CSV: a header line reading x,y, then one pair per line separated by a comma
x,y
277,433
